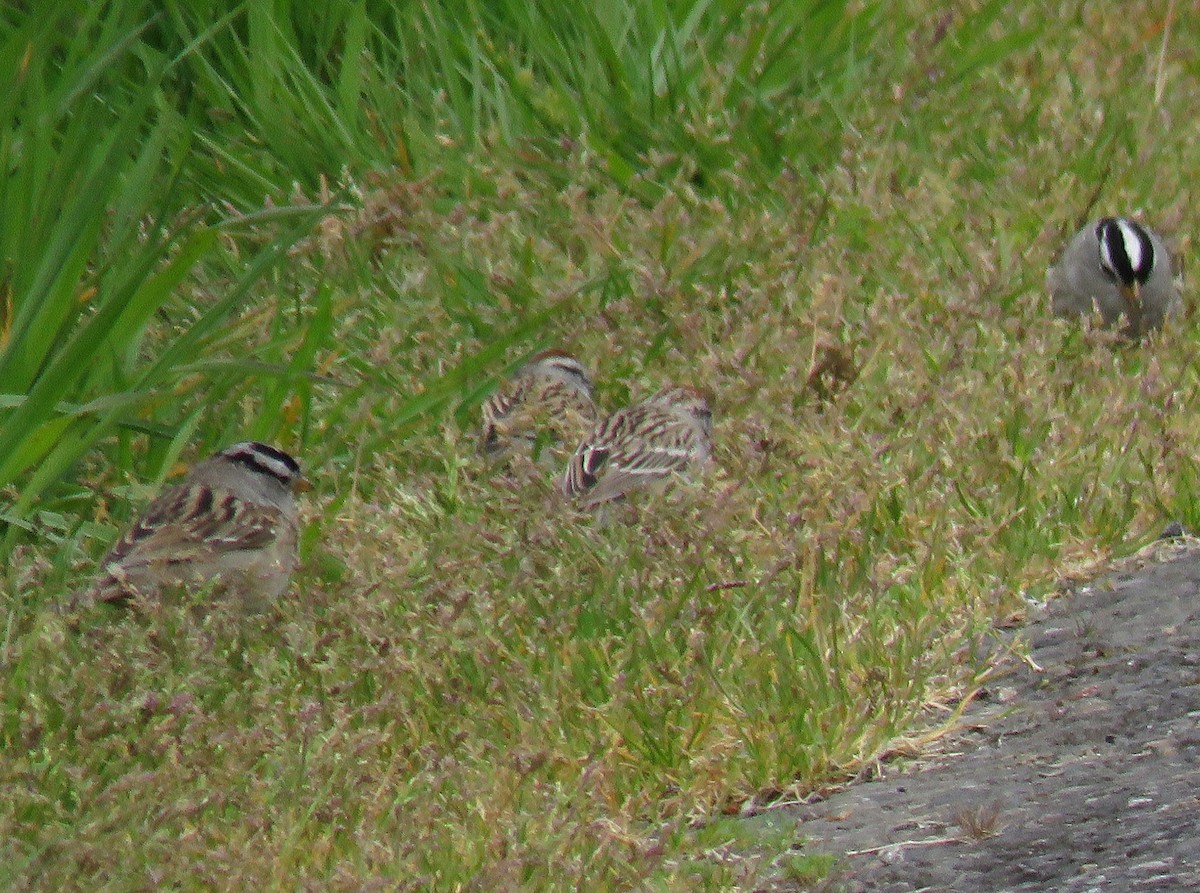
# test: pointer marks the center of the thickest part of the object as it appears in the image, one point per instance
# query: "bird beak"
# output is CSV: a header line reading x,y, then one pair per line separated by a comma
x,y
1132,295
302,485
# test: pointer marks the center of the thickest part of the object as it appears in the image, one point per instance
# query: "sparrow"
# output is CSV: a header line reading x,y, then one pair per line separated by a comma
x,y
233,518
548,401
1119,267
641,446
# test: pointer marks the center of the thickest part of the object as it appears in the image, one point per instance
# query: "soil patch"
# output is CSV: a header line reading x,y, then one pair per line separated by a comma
x,y
1080,771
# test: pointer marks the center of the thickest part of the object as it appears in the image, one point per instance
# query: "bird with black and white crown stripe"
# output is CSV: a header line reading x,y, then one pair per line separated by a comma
x,y
233,519
1119,268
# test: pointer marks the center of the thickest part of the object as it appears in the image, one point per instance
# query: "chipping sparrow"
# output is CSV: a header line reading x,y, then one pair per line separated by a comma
x,y
641,446
549,397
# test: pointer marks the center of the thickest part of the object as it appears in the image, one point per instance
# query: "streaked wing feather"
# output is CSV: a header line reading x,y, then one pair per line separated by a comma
x,y
525,409
191,519
625,473
617,458
499,411
583,467
651,461
501,403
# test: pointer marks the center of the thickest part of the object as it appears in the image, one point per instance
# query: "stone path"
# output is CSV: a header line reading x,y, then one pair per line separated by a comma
x,y
1081,776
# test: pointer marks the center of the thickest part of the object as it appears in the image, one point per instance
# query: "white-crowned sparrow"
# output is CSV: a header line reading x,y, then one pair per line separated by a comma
x,y
548,401
233,518
1119,267
641,446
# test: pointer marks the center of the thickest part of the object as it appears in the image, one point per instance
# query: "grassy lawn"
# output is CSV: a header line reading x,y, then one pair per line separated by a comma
x,y
836,217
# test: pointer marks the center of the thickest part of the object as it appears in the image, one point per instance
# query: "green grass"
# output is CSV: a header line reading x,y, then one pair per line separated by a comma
x,y
473,687
100,237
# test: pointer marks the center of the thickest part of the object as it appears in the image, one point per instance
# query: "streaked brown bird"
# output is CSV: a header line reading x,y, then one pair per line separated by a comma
x,y
548,402
233,519
641,446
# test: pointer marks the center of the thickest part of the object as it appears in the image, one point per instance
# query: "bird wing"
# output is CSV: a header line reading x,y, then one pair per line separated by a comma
x,y
188,523
633,447
192,520
625,471
583,467
499,414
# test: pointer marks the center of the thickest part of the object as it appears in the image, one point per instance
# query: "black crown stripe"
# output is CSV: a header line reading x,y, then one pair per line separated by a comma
x,y
264,459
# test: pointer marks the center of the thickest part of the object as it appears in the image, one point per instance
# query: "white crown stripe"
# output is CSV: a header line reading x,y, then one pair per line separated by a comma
x,y
1131,239
277,468
264,459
